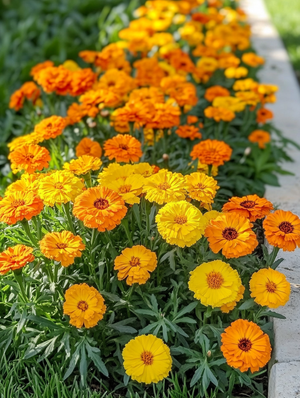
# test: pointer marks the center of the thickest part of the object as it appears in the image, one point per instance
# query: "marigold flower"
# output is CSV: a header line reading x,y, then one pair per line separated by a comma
x,y
180,223
148,72
17,206
263,115
190,132
236,73
116,81
115,171
282,229
88,147
15,258
232,234
28,139
226,308
60,187
29,158
164,187
147,359
139,112
219,113
245,346
165,116
216,91
28,182
50,127
101,97
251,206
201,187
245,85
54,79
135,264
83,164
62,246
28,90
147,94
84,305
212,152
123,148
252,59
81,81
100,207
129,188
231,103
215,283
88,56
270,288
203,168
261,137
191,119
37,68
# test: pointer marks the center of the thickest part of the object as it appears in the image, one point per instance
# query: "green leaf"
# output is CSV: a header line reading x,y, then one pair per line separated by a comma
x,y
247,304
94,355
197,375
73,361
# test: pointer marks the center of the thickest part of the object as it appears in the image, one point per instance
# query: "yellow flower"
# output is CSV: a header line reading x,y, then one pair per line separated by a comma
x,y
60,187
215,283
208,216
165,187
180,223
231,103
129,188
236,73
115,171
144,169
203,168
135,263
83,164
226,308
147,359
201,187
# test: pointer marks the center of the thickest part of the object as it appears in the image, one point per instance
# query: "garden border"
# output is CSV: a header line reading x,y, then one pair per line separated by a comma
x,y
284,381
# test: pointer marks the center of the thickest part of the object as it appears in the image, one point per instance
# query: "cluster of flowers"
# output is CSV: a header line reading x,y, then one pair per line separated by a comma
x,y
146,86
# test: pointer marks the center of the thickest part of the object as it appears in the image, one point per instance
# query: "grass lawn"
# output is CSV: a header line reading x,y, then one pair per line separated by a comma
x,y
286,16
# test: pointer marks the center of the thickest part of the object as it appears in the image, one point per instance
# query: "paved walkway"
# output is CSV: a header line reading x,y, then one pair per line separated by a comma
x,y
285,372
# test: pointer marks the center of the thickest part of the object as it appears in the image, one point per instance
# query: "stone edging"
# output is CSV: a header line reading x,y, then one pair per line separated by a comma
x,y
284,379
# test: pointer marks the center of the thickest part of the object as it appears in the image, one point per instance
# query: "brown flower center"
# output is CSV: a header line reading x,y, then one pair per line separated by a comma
x,y
248,204
147,358
135,261
271,286
200,186
180,219
61,245
82,305
123,146
125,188
245,344
214,280
286,227
229,234
29,157
58,185
101,204
164,186
18,202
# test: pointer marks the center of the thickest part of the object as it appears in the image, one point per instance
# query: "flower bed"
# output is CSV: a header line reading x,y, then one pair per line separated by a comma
x,y
140,265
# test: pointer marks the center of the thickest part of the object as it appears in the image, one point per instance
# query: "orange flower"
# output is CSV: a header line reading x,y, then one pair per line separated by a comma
x,y
219,113
15,257
282,229
165,116
116,81
252,59
251,206
88,147
88,56
191,119
261,137
81,81
76,112
263,114
28,90
29,158
123,148
83,164
17,206
39,67
212,152
232,234
62,246
100,207
148,94
16,101
148,72
190,132
245,346
50,127
139,112
55,79
216,91
101,97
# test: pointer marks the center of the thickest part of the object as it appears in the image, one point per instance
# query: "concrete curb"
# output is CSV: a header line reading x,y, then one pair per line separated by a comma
x,y
284,381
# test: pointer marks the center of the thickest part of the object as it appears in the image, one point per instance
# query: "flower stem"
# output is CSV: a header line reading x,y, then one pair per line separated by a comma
x,y
88,179
124,223
272,256
66,207
26,228
19,278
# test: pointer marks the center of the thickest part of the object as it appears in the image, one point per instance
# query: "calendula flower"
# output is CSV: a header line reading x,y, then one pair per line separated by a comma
x,y
148,72
15,257
180,223
263,115
216,91
245,346
28,90
62,246
29,158
219,113
251,206
165,116
50,127
147,359
226,308
201,187
252,59
117,81
215,283
191,119
282,229
236,73
270,288
37,68
27,139
60,187
245,85
231,233
28,182
123,148
135,265
17,206
129,188
100,207
83,165
84,305
54,79
164,187
115,171
147,94
82,80
261,137
190,132
212,152
144,169
88,147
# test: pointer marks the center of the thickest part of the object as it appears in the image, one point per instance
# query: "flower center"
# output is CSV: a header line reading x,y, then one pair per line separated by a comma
x,y
180,219
147,358
18,202
29,157
164,186
101,204
214,280
248,204
125,188
200,186
229,234
245,345
271,287
286,227
61,245
58,185
82,305
123,146
135,261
